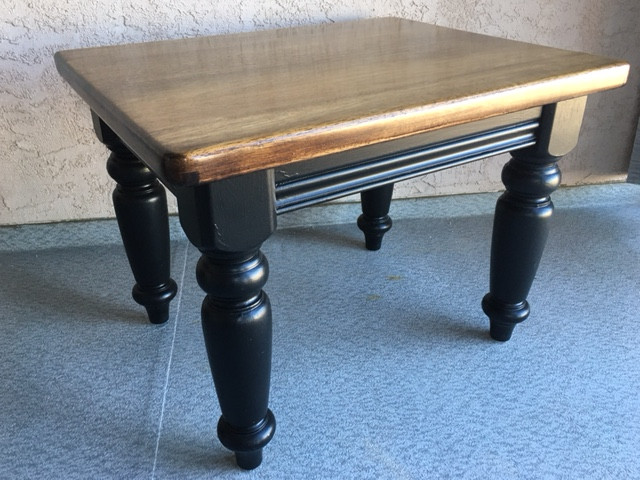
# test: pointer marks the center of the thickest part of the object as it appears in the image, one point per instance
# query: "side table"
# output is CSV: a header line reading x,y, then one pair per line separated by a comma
x,y
243,127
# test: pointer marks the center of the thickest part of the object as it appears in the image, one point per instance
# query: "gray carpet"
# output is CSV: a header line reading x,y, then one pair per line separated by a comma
x,y
382,365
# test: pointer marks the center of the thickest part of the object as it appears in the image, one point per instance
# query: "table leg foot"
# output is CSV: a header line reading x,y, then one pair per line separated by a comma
x,y
156,300
520,231
375,221
503,317
247,442
140,204
236,322
249,460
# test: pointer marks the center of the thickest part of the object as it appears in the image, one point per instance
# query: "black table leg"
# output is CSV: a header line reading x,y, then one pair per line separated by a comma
x,y
523,212
236,322
375,221
228,221
140,204
520,231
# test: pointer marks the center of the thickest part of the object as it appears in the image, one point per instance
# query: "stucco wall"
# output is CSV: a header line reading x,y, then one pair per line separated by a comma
x,y
52,167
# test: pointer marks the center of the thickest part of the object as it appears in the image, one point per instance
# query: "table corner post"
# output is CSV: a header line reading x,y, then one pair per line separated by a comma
x,y
140,204
523,214
228,220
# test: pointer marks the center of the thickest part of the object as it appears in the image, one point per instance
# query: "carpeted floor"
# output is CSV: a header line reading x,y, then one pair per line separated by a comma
x,y
382,364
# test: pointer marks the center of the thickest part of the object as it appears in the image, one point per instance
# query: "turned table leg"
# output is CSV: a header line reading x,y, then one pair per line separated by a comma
x,y
140,204
228,221
520,231
236,322
523,213
375,220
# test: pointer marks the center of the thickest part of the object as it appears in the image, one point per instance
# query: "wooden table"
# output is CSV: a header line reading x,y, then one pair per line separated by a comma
x,y
247,126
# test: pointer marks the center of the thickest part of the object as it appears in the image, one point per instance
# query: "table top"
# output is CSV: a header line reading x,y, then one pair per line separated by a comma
x,y
202,109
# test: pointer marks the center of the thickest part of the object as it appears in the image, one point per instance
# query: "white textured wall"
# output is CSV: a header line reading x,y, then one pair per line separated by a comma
x,y
52,168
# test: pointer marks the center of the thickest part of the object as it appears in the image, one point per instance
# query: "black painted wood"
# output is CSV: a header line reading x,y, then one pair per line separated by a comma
x,y
523,214
328,178
375,221
520,230
140,204
236,322
228,220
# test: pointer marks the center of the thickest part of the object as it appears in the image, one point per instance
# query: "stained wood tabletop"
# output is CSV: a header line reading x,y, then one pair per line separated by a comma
x,y
206,108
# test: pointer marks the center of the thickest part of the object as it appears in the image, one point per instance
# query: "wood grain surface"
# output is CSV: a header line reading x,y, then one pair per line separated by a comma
x,y
202,109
